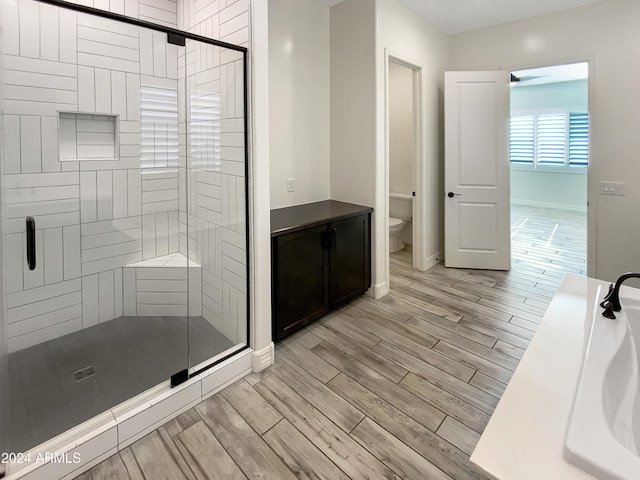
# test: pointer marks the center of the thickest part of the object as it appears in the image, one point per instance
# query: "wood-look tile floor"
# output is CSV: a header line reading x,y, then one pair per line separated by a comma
x,y
400,387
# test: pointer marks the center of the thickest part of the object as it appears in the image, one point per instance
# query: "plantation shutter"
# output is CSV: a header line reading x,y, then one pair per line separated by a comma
x,y
158,127
521,139
579,139
551,139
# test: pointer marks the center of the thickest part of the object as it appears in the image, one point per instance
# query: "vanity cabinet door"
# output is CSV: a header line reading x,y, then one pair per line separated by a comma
x,y
300,279
349,259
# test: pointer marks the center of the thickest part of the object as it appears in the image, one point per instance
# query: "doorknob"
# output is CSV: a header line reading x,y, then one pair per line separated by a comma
x,y
451,194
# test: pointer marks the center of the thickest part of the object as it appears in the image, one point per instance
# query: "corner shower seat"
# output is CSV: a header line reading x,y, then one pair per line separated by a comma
x,y
169,285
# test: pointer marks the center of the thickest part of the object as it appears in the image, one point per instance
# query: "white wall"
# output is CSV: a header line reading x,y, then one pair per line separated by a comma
x,y
353,127
549,189
260,234
573,94
607,34
352,116
564,189
404,35
298,101
401,128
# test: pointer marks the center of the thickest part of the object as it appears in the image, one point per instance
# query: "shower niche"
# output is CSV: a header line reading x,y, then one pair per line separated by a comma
x,y
129,151
84,136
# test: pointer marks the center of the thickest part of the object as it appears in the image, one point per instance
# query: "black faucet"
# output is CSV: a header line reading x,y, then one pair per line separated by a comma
x,y
611,302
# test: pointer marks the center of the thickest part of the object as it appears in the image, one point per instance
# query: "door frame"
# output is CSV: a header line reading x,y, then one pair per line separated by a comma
x,y
419,210
592,190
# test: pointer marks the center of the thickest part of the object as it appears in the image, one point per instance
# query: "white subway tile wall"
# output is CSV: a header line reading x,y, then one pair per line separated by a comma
x,y
105,172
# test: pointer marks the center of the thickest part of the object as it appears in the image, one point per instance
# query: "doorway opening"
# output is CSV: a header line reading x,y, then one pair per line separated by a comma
x,y
549,157
403,151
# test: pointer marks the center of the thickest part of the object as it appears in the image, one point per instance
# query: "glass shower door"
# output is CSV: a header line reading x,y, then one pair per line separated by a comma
x,y
216,220
98,313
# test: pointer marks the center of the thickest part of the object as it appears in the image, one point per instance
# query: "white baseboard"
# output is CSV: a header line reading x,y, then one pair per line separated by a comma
x,y
552,206
380,290
262,359
433,260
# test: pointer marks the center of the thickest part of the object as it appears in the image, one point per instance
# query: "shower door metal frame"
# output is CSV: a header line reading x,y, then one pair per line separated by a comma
x,y
4,344
172,35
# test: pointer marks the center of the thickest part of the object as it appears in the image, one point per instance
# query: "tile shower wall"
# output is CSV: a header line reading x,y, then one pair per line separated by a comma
x,y
95,216
94,213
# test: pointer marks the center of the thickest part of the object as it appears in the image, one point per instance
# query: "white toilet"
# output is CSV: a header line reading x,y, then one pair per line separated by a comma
x,y
400,212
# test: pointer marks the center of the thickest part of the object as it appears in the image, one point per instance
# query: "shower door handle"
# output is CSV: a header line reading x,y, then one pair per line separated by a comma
x,y
31,243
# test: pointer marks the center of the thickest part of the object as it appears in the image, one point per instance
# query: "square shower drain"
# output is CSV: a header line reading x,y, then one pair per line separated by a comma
x,y
84,373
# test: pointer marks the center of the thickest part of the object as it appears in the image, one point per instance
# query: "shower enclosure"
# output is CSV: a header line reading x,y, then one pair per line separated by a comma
x,y
124,192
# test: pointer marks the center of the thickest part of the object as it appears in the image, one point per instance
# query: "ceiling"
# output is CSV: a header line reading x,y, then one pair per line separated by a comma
x,y
456,16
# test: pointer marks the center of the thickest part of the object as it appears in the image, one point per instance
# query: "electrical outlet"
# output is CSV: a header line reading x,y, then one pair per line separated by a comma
x,y
290,185
612,188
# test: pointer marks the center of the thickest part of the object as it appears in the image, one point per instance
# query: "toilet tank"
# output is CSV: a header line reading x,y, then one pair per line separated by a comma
x,y
401,205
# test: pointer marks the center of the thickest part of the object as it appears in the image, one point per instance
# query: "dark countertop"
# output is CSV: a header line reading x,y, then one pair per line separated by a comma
x,y
290,219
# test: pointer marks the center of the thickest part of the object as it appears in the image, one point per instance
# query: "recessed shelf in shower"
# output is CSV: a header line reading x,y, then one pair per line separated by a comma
x,y
87,136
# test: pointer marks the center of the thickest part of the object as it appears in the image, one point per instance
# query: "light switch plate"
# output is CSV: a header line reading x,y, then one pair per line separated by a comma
x,y
612,188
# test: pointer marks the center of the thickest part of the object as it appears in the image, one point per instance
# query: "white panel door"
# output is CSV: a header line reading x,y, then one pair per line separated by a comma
x,y
477,223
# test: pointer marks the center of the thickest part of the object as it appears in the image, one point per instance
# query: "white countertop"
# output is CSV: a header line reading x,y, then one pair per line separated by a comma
x,y
525,436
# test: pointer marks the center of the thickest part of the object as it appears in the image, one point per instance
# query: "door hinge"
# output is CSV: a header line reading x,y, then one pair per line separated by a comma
x,y
175,39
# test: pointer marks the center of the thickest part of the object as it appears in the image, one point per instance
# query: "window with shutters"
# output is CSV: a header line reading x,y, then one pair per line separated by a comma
x,y
158,127
550,140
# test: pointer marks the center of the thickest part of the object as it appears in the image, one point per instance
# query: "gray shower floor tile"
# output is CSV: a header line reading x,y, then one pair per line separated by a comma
x,y
129,355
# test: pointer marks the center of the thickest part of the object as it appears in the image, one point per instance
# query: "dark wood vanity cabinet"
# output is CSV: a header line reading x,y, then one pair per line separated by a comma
x,y
320,259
